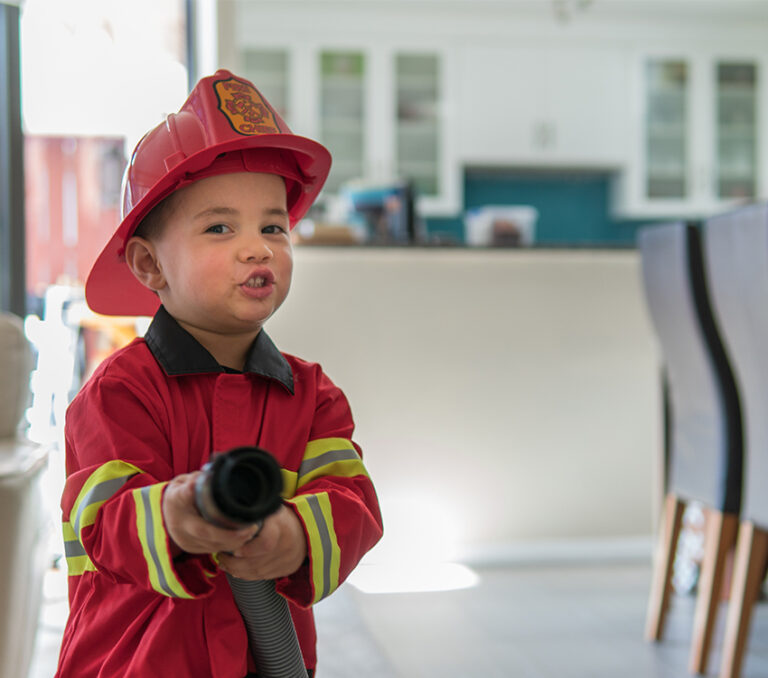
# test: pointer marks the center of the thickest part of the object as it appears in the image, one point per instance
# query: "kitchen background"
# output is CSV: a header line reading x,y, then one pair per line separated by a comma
x,y
601,114
469,275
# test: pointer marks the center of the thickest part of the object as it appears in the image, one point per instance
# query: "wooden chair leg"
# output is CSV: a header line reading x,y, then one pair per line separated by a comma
x,y
664,559
719,539
751,554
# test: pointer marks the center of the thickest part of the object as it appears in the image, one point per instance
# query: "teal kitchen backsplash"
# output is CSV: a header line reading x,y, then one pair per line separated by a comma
x,y
573,206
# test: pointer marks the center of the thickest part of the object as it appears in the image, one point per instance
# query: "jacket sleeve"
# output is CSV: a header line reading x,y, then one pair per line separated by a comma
x,y
118,465
335,500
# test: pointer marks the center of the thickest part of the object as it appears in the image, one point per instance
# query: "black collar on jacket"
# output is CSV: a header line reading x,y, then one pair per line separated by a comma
x,y
179,353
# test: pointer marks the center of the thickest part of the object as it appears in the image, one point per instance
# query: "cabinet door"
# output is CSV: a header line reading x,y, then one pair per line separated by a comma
x,y
418,123
581,117
343,115
423,144
736,131
502,89
666,133
668,174
268,70
542,106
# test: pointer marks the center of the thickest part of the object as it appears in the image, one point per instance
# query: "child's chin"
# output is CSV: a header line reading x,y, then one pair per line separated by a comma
x,y
252,321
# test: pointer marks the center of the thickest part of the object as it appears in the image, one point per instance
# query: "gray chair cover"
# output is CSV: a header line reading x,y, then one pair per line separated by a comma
x,y
736,252
704,438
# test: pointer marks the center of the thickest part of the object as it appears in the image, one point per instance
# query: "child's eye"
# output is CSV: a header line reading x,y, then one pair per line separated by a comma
x,y
217,228
274,228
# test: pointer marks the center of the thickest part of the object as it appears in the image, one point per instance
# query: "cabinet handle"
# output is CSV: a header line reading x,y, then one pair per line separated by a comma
x,y
544,134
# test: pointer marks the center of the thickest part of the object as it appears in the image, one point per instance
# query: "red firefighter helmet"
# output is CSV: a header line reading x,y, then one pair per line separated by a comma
x,y
224,114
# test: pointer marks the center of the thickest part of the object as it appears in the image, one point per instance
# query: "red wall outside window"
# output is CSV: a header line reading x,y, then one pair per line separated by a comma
x,y
72,205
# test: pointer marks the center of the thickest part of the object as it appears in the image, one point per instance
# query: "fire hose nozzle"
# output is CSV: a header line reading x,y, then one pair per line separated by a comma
x,y
239,487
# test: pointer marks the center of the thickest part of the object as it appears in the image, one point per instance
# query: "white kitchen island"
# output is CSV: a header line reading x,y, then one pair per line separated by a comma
x,y
507,401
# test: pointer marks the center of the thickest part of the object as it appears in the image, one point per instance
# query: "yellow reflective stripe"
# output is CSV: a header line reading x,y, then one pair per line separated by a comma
x,y
324,552
215,559
76,566
154,545
77,559
100,486
330,457
290,480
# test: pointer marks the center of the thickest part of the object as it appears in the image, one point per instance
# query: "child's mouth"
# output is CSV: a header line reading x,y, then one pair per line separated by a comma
x,y
258,286
256,282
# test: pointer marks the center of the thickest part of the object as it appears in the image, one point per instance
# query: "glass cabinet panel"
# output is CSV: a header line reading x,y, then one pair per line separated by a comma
x,y
736,130
665,134
417,84
342,114
268,70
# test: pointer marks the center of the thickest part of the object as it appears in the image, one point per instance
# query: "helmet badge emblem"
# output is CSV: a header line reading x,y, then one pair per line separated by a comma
x,y
246,110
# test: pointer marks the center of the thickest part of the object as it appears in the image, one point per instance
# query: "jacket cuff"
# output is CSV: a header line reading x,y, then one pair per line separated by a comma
x,y
319,577
182,578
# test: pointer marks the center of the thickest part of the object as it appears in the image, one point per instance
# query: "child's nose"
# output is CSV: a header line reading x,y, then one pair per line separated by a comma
x,y
255,248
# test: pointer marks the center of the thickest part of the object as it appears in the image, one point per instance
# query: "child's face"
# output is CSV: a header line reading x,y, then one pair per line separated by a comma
x,y
225,253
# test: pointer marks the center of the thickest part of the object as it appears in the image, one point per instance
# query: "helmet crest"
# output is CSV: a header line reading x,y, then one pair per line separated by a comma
x,y
247,111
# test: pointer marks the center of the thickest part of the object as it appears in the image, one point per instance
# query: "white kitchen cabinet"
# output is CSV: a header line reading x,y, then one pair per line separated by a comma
x,y
382,111
542,105
673,102
382,115
697,146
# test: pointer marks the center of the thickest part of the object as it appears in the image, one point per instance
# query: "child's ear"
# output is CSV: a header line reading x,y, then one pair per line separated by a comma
x,y
141,257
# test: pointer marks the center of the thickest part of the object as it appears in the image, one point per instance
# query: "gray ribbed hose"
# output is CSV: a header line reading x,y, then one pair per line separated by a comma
x,y
271,635
237,488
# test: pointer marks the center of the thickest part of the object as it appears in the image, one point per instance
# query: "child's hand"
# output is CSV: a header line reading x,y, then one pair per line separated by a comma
x,y
188,530
278,551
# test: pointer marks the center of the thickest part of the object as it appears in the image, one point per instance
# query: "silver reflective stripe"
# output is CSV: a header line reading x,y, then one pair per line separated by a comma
x,y
149,529
325,540
97,493
72,549
309,465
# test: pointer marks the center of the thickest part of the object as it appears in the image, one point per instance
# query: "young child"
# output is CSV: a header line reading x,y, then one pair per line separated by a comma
x,y
204,246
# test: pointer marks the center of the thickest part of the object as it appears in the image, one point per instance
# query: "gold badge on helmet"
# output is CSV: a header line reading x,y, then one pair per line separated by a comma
x,y
246,110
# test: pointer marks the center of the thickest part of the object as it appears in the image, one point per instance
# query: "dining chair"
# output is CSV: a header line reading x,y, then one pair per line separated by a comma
x,y
703,454
736,253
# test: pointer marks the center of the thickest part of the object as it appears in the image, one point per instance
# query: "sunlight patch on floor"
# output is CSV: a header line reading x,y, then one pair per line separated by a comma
x,y
413,577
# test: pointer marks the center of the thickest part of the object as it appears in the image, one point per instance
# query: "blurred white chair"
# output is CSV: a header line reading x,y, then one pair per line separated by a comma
x,y
23,552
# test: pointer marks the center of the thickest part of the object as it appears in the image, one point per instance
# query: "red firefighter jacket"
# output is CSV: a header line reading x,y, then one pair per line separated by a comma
x,y
161,407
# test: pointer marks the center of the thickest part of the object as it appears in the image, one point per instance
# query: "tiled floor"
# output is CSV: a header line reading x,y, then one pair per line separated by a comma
x,y
548,621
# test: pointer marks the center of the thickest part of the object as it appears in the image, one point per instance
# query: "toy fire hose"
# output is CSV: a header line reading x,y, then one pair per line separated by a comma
x,y
242,487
